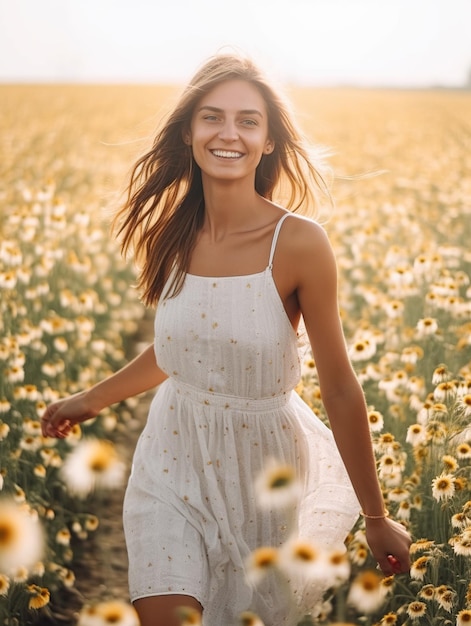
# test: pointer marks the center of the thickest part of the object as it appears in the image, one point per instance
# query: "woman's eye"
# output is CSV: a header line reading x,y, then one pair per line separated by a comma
x,y
249,122
210,118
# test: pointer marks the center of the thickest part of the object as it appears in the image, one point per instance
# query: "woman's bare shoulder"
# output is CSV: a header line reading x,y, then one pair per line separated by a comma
x,y
304,236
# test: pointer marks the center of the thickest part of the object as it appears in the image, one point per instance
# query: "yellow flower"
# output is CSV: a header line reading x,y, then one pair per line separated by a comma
x,y
416,609
39,471
416,384
30,443
4,430
462,545
416,435
40,407
445,597
403,512
440,374
68,578
21,574
389,619
468,595
63,537
436,430
308,366
60,344
385,443
359,555
443,487
38,569
410,355
458,520
387,464
91,523
362,349
388,583
376,421
463,618
40,596
465,402
450,463
421,545
427,326
444,390
427,592
463,451
419,568
4,585
398,494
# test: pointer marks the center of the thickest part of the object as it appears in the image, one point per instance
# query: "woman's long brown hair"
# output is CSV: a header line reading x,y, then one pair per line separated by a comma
x,y
164,208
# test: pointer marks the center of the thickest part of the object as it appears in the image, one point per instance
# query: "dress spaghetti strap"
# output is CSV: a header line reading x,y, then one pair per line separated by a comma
x,y
275,239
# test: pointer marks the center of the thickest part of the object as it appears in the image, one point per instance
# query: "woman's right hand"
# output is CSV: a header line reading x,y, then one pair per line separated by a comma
x,y
60,417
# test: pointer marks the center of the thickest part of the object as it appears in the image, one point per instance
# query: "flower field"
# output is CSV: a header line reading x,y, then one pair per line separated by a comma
x,y
401,230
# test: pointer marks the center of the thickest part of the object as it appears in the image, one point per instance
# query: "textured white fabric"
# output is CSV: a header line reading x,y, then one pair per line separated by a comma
x,y
190,512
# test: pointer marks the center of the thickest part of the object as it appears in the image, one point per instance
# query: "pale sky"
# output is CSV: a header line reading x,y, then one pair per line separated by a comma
x,y
318,42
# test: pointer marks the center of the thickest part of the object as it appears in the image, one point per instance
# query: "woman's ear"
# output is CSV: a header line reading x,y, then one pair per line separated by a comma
x,y
269,147
186,135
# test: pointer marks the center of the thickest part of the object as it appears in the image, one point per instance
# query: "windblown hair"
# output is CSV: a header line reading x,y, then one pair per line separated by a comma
x,y
164,207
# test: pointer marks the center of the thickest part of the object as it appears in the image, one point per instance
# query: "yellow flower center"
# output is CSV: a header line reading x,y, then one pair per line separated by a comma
x,y
7,533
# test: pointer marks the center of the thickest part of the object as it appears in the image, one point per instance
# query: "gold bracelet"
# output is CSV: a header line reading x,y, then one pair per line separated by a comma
x,y
385,514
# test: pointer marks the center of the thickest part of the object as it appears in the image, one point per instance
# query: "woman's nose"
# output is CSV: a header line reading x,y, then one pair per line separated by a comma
x,y
228,131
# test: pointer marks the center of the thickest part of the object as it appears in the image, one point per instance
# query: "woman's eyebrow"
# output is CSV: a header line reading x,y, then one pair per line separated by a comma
x,y
243,111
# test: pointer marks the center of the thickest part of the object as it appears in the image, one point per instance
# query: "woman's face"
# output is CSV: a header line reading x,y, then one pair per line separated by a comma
x,y
229,131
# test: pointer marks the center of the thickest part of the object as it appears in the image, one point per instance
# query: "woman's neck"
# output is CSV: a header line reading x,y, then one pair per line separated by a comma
x,y
232,208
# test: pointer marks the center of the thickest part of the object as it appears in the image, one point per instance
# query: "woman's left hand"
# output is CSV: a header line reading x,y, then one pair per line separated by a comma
x,y
389,542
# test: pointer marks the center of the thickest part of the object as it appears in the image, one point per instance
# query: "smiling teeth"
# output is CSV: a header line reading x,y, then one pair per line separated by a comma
x,y
226,154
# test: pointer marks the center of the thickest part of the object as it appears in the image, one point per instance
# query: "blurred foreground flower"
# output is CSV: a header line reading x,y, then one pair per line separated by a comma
x,y
277,486
366,593
114,612
260,561
92,465
299,558
21,537
188,616
248,618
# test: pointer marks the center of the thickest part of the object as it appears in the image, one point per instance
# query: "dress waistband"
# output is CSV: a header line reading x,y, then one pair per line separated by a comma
x,y
211,398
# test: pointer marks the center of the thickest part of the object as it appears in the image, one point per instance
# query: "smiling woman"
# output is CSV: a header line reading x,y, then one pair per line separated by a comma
x,y
232,272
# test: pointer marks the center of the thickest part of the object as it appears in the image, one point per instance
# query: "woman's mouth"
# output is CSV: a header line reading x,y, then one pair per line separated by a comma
x,y
227,154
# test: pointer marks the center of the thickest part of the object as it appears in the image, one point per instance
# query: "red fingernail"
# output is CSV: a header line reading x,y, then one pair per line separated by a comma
x,y
395,564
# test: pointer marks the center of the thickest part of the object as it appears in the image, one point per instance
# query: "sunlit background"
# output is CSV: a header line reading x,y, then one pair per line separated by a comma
x,y
400,43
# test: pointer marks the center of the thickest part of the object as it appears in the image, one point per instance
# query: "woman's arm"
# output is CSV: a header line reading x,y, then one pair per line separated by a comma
x,y
140,375
342,396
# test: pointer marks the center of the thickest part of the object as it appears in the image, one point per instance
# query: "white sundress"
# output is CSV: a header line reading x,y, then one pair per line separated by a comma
x,y
191,517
